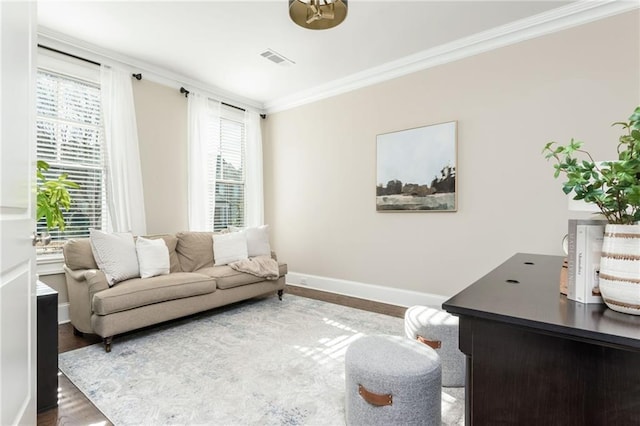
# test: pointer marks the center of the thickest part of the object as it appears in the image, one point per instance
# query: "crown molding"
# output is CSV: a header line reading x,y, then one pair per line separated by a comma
x,y
65,43
574,14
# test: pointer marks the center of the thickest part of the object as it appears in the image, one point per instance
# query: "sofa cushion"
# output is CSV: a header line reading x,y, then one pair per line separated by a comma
x,y
138,292
195,250
229,247
257,239
171,241
227,277
153,257
115,254
78,255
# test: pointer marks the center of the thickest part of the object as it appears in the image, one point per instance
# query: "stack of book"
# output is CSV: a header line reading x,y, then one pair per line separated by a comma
x,y
584,250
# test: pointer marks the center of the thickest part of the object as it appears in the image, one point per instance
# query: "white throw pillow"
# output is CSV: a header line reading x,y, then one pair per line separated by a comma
x,y
153,257
115,255
229,247
257,240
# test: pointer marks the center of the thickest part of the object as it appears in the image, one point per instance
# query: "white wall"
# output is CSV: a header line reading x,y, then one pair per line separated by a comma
x,y
161,115
320,160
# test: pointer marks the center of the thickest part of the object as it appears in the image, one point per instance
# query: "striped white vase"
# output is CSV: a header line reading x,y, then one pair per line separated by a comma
x,y
620,268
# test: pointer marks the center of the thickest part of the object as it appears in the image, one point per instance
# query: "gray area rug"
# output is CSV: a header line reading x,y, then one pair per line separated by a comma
x,y
260,362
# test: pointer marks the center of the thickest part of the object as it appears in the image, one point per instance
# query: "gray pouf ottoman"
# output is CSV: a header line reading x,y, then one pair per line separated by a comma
x,y
438,329
391,380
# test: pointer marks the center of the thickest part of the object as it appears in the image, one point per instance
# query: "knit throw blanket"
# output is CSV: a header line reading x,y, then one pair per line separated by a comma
x,y
260,266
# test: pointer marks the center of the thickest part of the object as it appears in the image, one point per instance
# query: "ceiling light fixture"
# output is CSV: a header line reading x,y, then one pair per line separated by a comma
x,y
318,14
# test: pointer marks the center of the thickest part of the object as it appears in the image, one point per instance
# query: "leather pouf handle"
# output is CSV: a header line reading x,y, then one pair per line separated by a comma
x,y
435,344
375,398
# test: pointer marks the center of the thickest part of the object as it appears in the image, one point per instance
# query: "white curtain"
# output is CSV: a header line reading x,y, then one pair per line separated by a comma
x,y
203,140
125,196
253,190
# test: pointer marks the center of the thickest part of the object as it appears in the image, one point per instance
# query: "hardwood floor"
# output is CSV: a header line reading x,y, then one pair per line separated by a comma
x,y
353,302
75,409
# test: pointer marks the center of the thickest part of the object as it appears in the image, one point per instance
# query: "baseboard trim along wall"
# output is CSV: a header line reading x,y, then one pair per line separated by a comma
x,y
63,313
376,293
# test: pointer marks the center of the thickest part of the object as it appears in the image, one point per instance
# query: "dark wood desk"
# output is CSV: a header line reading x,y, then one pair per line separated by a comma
x,y
536,358
47,347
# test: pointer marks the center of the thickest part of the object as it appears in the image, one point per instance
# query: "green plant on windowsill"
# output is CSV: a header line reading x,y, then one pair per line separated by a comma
x,y
613,186
52,197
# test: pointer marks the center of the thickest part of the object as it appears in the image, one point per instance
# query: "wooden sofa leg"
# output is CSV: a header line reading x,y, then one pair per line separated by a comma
x,y
107,343
280,292
77,332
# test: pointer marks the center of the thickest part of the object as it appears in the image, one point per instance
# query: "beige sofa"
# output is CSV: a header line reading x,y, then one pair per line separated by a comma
x,y
193,285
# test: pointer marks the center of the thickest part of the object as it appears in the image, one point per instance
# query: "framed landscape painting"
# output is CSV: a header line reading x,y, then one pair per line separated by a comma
x,y
416,169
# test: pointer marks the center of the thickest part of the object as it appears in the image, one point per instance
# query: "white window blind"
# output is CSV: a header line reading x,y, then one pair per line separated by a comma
x,y
70,138
230,170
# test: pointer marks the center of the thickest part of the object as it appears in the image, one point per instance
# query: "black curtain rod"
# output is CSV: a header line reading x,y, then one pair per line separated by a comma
x,y
137,76
263,116
186,94
232,106
69,54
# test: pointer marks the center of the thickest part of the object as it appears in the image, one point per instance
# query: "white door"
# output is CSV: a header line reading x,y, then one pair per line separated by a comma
x,y
17,174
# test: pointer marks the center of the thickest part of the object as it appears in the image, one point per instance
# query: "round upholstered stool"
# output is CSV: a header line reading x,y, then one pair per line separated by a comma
x,y
391,380
439,330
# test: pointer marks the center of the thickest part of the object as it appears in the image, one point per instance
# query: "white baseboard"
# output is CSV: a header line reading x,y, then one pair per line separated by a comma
x,y
63,313
376,293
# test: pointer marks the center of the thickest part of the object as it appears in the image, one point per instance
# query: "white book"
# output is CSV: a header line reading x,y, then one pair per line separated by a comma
x,y
577,258
587,267
580,258
593,250
571,258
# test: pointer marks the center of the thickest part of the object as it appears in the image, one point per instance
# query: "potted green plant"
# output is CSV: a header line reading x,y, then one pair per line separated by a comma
x,y
52,197
614,187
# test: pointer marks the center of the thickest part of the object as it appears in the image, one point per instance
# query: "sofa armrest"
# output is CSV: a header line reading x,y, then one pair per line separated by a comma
x,y
96,280
82,284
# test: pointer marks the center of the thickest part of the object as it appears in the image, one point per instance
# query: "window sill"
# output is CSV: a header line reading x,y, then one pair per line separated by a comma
x,y
49,264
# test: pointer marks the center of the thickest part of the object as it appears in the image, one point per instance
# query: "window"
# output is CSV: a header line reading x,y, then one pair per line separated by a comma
x,y
69,137
230,170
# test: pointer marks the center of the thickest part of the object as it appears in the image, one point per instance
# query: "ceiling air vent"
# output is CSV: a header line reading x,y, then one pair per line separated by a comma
x,y
276,58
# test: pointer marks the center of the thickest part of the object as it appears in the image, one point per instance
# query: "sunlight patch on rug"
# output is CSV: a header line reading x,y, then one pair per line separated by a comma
x,y
265,362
